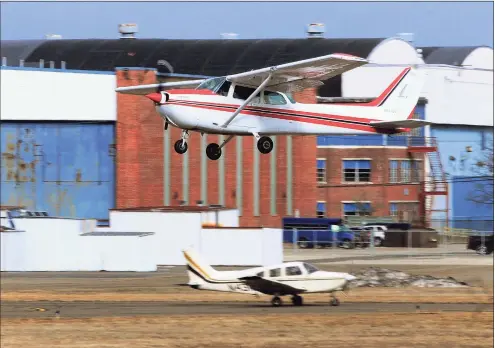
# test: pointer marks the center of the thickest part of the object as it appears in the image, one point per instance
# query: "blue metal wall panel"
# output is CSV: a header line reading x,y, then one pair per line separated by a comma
x,y
66,169
466,213
372,139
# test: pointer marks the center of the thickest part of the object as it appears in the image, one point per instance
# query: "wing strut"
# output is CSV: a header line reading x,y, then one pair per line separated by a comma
x,y
248,100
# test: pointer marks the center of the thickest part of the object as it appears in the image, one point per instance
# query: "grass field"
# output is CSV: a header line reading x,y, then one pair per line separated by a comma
x,y
270,331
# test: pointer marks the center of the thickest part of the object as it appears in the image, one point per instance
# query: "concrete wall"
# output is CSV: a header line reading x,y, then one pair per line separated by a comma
x,y
57,95
51,244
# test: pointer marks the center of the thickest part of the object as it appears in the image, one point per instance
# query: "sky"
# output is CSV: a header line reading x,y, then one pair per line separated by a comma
x,y
433,23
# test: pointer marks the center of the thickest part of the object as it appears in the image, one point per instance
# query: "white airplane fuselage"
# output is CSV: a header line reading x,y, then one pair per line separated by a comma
x,y
205,112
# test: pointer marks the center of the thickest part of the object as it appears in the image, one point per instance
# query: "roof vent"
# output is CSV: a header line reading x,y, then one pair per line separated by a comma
x,y
229,36
409,37
127,30
53,37
316,30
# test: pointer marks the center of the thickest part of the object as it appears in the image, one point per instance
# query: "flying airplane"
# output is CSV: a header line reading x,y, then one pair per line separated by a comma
x,y
259,103
290,278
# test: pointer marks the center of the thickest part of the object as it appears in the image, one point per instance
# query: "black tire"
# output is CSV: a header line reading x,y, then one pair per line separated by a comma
x,y
180,147
378,242
276,301
303,243
297,300
482,249
347,244
265,145
334,302
213,151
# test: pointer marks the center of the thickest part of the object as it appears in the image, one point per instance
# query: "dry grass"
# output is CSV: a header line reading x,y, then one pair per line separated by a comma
x,y
437,295
270,331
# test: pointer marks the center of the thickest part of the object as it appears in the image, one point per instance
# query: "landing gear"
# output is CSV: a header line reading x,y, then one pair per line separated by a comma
x,y
297,300
180,146
265,145
334,301
213,151
276,301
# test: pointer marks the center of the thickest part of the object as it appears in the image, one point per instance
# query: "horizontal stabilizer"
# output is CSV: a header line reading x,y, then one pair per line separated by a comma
x,y
411,123
147,89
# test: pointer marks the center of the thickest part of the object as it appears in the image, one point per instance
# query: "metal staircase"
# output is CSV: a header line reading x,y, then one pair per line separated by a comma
x,y
435,184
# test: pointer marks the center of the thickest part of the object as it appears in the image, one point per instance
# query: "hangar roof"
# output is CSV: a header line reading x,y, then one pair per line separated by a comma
x,y
447,55
195,57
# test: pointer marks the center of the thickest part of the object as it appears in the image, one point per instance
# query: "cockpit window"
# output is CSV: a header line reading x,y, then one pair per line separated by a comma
x,y
274,98
310,268
290,97
241,92
211,84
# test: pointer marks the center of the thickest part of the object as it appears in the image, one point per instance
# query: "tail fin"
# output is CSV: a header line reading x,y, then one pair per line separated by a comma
x,y
401,97
198,270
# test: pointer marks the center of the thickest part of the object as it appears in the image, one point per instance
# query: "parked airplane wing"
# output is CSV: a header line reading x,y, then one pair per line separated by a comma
x,y
270,287
146,89
301,74
410,123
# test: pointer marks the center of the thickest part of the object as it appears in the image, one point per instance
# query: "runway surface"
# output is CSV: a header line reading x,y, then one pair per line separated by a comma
x,y
89,309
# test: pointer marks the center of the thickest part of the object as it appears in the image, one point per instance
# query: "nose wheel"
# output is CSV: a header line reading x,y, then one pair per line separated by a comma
x,y
180,145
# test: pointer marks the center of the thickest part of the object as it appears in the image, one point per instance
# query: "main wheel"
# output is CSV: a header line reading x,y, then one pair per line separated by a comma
x,y
276,301
334,302
180,146
213,151
265,145
297,300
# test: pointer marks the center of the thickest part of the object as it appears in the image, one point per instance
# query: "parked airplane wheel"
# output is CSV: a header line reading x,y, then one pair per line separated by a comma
x,y
334,302
180,147
297,300
276,301
213,151
265,145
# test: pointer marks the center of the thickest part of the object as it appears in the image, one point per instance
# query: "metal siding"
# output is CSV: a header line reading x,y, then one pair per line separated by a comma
x,y
465,212
65,169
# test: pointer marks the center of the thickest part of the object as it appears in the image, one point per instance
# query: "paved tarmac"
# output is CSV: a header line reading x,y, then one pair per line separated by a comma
x,y
90,309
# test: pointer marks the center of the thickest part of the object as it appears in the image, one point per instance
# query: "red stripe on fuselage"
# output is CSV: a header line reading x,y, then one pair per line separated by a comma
x,y
298,118
268,109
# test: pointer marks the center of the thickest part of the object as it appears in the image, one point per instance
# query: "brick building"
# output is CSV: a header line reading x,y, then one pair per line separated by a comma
x,y
300,174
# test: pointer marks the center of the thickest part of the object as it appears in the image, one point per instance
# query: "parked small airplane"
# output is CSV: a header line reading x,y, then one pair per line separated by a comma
x,y
259,103
290,278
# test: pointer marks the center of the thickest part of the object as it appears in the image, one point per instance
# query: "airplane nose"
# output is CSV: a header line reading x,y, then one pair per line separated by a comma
x,y
156,97
349,277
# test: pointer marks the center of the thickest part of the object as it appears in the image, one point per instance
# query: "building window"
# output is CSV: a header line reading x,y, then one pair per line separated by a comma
x,y
357,170
357,209
321,171
405,171
393,171
321,209
416,171
405,211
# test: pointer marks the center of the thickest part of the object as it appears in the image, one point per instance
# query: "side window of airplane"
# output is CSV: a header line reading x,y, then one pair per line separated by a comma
x,y
293,271
241,92
275,272
274,98
224,89
261,274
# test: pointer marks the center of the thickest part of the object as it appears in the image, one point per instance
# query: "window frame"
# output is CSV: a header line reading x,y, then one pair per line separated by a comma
x,y
356,170
324,171
368,212
323,212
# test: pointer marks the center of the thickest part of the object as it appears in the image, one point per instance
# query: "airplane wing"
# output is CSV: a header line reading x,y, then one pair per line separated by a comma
x,y
411,123
146,89
299,75
270,287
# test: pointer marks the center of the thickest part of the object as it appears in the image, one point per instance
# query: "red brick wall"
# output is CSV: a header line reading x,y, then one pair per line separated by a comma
x,y
139,143
140,166
380,193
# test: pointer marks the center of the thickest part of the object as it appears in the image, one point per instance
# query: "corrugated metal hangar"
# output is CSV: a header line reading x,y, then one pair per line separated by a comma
x,y
83,149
